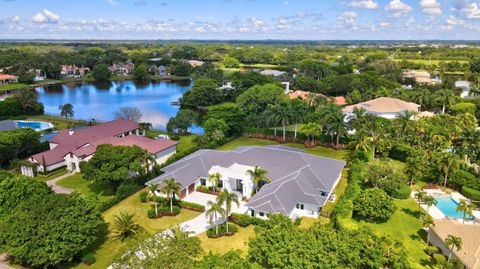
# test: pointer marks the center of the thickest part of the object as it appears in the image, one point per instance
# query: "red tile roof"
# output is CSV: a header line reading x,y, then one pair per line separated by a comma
x,y
7,77
83,142
338,100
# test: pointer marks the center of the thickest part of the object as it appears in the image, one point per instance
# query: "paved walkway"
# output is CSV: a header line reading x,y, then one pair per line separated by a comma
x,y
201,223
3,262
59,189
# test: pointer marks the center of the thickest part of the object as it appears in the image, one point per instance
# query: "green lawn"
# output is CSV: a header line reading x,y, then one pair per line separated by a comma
x,y
327,209
58,122
185,142
103,190
238,241
106,248
320,151
14,86
432,62
51,175
405,226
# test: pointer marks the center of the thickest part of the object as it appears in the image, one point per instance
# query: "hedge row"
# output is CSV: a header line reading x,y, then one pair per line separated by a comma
x,y
191,206
206,189
471,193
163,211
244,220
232,229
308,144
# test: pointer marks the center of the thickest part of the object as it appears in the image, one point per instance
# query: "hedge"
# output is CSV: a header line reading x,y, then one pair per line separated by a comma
x,y
401,152
402,192
143,197
208,190
471,193
232,229
163,211
244,220
191,206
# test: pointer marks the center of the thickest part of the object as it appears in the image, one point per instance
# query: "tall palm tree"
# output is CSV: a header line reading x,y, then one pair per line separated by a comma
x,y
403,120
329,116
66,111
428,223
420,195
153,188
371,138
429,201
466,208
258,176
340,126
357,117
448,163
299,111
179,233
312,129
446,98
414,167
227,198
280,114
422,97
124,226
214,179
453,242
171,188
212,213
147,160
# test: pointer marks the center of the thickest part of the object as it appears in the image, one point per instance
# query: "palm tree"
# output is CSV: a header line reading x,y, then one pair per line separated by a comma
x,y
312,129
153,188
449,162
124,226
403,120
340,127
258,176
298,112
214,179
66,110
147,159
212,213
329,115
445,97
227,198
280,114
422,97
420,195
453,242
414,167
179,233
466,208
171,188
357,117
427,224
371,139
429,201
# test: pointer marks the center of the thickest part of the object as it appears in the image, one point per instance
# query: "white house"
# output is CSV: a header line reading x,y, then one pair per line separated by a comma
x,y
385,107
465,86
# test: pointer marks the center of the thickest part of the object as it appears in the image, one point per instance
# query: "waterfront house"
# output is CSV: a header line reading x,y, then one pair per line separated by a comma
x,y
8,79
300,183
70,147
122,69
195,63
385,107
73,71
273,73
163,71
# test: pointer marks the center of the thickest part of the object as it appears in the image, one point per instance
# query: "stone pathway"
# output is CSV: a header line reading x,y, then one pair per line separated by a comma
x,y
59,189
3,262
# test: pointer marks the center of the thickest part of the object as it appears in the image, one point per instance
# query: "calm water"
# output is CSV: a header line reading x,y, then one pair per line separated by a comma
x,y
99,101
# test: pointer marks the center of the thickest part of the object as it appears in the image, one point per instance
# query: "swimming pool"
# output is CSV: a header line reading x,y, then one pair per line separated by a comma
x,y
448,206
36,125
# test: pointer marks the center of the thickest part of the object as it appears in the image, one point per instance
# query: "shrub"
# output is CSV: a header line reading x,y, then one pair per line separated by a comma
x,y
257,221
161,201
439,259
402,192
202,188
143,197
471,193
432,250
464,107
127,188
464,178
374,204
401,152
163,211
191,206
89,259
151,213
232,229
242,220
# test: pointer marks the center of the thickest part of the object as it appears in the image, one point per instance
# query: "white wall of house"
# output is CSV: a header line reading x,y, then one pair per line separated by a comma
x,y
230,176
257,214
50,167
162,156
73,162
438,242
305,210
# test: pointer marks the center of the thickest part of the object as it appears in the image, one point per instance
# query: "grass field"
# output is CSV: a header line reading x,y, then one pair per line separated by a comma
x,y
106,248
430,62
185,142
103,190
238,241
14,86
57,121
51,175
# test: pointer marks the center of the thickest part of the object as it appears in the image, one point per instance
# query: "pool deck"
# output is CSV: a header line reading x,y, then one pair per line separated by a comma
x,y
436,213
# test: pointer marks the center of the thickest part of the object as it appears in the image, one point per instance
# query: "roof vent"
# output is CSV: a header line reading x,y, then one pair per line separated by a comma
x,y
71,132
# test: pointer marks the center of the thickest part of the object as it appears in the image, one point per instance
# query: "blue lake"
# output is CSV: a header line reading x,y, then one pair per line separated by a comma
x,y
99,101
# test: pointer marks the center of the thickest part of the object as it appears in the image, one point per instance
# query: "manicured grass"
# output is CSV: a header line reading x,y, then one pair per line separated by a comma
x,y
106,249
52,175
406,226
238,241
432,62
14,86
339,190
320,151
58,122
309,222
103,190
185,142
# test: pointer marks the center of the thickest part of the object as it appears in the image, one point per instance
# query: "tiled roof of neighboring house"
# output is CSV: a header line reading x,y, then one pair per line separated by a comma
x,y
425,114
6,125
7,77
469,253
295,176
195,63
384,105
83,142
339,100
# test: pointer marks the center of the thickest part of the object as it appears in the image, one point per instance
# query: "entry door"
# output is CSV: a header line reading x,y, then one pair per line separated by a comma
x,y
239,185
191,188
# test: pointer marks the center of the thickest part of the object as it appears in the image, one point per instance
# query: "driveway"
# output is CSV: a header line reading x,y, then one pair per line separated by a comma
x,y
58,189
201,223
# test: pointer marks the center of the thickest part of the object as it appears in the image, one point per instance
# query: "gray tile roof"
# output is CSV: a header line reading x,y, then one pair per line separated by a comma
x,y
295,175
6,125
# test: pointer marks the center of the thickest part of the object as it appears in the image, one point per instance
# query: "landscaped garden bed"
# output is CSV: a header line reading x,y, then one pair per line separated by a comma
x,y
244,220
163,211
208,190
232,229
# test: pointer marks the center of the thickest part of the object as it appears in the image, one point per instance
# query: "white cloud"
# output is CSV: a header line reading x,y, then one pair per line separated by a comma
x,y
15,18
471,11
368,4
398,8
452,21
383,24
431,7
348,17
46,16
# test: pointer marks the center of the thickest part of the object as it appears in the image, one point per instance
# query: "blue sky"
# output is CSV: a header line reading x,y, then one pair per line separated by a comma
x,y
240,19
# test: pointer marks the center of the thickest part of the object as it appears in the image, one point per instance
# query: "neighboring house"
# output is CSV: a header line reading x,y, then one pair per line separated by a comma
x,y
469,254
7,125
385,107
73,71
195,63
305,95
300,184
70,147
273,73
163,71
38,74
421,77
466,87
8,79
122,69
